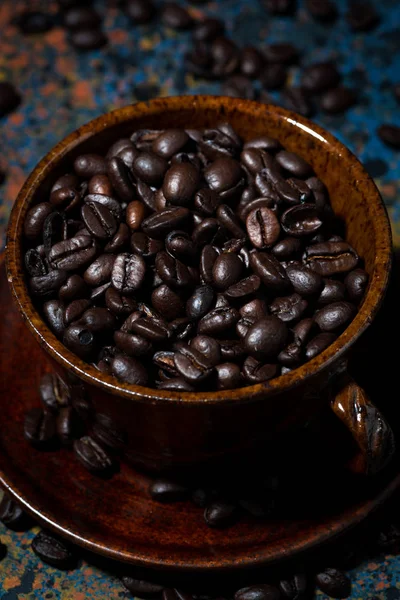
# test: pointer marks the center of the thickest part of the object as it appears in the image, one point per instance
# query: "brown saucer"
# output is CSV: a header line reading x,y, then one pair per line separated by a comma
x,y
117,519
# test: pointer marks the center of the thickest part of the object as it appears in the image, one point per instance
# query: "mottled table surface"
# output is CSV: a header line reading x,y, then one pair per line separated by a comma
x,y
63,89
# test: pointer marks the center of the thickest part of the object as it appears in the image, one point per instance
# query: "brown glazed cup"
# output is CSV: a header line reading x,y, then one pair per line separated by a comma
x,y
169,430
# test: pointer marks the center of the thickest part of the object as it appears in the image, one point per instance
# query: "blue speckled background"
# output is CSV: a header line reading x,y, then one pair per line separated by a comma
x,y
63,89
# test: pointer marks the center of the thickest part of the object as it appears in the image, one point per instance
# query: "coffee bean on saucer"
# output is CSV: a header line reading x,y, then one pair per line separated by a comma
x,y
141,588
9,98
53,551
164,490
12,515
92,456
258,592
34,21
220,514
334,583
39,428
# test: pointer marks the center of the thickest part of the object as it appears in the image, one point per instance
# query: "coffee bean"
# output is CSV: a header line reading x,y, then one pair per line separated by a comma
x,y
81,17
53,311
255,371
170,142
75,310
294,164
92,456
223,176
270,271
131,344
97,294
303,219
238,86
258,592
98,319
35,218
228,376
180,245
47,285
67,425
266,338
303,330
164,490
167,302
121,179
206,201
164,221
294,588
181,182
224,56
333,582
287,248
9,98
34,263
87,165
140,11
289,308
107,433
141,588
54,393
208,29
88,39
100,184
192,365
330,258
100,270
128,273
304,281
322,10
319,343
175,16
230,221
227,270
296,99
129,370
335,316
172,271
12,515
73,254
53,551
390,135
145,246
207,346
362,16
218,321
263,227
79,340
39,428
220,514
320,77
119,241
251,62
243,288
200,302
274,76
337,100
176,384
333,291
99,220
135,212
356,283
280,7
281,53
151,327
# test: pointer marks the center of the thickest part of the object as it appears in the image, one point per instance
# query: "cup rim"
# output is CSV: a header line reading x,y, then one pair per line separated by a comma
x,y
375,294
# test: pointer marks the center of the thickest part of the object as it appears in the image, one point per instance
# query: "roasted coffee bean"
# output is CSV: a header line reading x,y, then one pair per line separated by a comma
x,y
263,227
320,77
270,271
318,344
294,164
362,16
150,168
121,179
165,360
165,490
131,344
303,330
281,53
107,433
192,365
54,393
304,281
180,245
227,270
98,319
224,56
263,142
289,308
218,321
145,246
335,316
255,371
53,551
53,311
296,99
207,346
238,86
167,302
208,29
356,283
35,218
141,588
206,201
256,204
201,301
230,221
39,428
9,98
258,592
54,230
255,310
99,220
291,356
172,271
228,376
164,221
224,176
74,288
274,76
322,10
303,219
251,62
181,182
208,257
140,11
12,515
128,273
337,100
220,514
280,7
129,370
333,291
73,254
266,338
175,16
79,339
100,184
75,310
34,263
209,231
88,39
67,425
287,248
243,288
47,285
221,141
66,198
92,456
294,588
170,142
119,241
151,327
330,258
81,17
333,582
390,135
100,270
87,165
97,294
135,212
176,384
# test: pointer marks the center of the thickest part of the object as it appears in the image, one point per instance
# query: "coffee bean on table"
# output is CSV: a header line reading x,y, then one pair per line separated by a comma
x,y
251,62
333,582
140,11
12,515
81,17
284,53
88,39
53,551
9,98
175,16
141,588
320,77
362,16
390,135
337,100
294,588
280,7
258,592
296,99
273,76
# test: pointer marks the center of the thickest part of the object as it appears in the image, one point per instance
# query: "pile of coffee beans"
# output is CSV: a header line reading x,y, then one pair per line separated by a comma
x,y
189,260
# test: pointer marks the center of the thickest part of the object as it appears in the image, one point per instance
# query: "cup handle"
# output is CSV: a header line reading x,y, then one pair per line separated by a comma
x,y
369,428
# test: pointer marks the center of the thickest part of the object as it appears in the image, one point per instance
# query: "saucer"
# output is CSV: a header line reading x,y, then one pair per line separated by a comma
x,y
117,519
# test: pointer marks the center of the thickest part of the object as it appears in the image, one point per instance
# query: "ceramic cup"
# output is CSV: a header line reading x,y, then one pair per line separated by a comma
x,y
169,430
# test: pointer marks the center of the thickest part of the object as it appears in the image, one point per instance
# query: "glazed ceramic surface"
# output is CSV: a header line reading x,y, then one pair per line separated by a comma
x,y
169,430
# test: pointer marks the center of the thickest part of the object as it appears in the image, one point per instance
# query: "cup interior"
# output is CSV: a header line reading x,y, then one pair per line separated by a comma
x,y
353,195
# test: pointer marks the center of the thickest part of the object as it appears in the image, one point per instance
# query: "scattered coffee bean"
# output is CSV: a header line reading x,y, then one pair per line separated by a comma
x,y
164,490
258,592
140,11
390,135
362,16
53,551
12,515
141,588
333,582
296,99
280,7
9,98
39,428
175,16
337,100
294,588
322,10
88,39
320,77
220,514
92,456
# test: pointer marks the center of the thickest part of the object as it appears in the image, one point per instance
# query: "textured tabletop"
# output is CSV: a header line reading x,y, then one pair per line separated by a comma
x,y
62,89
